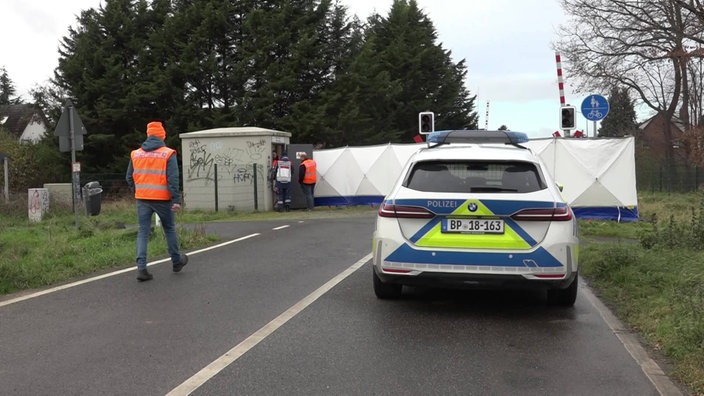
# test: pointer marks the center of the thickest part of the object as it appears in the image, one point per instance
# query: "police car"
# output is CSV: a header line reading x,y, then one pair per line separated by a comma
x,y
476,209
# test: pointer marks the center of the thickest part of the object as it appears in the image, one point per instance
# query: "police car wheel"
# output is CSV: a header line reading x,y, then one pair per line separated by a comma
x,y
564,297
386,290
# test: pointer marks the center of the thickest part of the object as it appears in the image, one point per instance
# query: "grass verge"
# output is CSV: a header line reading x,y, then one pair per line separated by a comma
x,y
651,275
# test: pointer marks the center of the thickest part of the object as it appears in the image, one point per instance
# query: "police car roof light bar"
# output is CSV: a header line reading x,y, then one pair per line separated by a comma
x,y
476,136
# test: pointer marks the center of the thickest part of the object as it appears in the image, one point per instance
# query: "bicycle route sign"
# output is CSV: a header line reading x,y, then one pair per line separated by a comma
x,y
595,107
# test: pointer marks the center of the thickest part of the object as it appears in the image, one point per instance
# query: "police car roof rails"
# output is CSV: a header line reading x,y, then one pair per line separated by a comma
x,y
438,138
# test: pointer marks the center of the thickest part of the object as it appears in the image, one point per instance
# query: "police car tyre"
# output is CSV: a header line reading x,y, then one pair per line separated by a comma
x,y
564,297
386,290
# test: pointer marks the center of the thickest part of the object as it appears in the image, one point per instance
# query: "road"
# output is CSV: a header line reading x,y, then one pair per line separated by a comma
x,y
286,307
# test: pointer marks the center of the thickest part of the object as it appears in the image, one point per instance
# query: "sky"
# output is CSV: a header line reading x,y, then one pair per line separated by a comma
x,y
506,45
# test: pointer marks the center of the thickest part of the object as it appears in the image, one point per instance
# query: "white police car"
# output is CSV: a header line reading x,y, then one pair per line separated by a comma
x,y
476,209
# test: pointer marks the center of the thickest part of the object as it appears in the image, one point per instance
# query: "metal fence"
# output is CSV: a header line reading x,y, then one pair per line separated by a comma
x,y
114,185
657,176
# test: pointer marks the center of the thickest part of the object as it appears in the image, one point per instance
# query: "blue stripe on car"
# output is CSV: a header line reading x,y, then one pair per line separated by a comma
x,y
539,258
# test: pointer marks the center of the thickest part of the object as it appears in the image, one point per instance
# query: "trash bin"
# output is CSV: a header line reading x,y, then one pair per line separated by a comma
x,y
91,198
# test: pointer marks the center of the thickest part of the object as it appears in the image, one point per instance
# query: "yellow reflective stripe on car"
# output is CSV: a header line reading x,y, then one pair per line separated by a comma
x,y
510,239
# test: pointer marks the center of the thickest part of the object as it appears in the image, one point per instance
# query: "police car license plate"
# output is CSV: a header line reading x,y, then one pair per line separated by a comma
x,y
474,226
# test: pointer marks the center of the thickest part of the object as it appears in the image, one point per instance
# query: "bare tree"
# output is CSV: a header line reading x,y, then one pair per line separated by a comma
x,y
639,44
695,54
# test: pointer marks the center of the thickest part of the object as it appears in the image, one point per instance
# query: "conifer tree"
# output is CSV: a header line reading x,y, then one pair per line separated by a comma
x,y
401,71
7,89
621,119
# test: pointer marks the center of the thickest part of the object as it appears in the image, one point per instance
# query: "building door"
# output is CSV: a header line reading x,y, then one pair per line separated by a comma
x,y
298,200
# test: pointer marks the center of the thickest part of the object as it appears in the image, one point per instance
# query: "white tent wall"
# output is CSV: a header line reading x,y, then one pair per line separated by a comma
x,y
359,175
597,175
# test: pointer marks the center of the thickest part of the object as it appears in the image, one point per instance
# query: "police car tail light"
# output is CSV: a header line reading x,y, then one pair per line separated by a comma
x,y
544,214
406,212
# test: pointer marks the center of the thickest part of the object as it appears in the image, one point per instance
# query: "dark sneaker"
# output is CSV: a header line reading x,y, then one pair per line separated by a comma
x,y
144,275
178,266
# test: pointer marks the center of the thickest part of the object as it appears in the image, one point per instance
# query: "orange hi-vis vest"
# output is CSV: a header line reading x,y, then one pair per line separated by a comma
x,y
150,173
311,175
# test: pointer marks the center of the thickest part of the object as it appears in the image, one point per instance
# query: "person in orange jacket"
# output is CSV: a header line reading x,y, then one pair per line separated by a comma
x,y
153,175
307,177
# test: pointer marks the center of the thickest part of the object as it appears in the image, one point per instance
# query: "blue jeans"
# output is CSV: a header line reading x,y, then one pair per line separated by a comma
x,y
308,190
145,210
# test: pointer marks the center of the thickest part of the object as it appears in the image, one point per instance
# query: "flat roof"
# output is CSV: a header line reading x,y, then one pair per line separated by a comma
x,y
234,132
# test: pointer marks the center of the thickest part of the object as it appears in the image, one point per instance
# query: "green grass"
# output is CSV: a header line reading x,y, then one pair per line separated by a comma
x,y
650,272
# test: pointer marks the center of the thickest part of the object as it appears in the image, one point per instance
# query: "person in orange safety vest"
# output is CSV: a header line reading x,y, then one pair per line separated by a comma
x,y
307,177
153,175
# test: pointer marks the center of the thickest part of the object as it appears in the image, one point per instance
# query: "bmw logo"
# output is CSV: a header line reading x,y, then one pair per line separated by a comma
x,y
472,207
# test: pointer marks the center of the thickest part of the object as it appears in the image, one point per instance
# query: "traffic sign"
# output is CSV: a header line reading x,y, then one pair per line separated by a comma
x,y
595,107
70,126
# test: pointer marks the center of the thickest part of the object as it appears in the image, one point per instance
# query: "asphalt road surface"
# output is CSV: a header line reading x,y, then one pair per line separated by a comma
x,y
286,307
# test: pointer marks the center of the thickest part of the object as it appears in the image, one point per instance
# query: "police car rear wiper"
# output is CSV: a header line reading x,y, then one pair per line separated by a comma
x,y
493,189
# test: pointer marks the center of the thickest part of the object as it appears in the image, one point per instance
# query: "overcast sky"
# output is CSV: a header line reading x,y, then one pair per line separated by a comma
x,y
507,45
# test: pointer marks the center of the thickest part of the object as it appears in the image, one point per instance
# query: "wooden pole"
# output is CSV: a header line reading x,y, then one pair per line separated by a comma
x,y
7,180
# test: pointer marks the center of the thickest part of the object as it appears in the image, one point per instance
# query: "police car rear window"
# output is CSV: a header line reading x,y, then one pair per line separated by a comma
x,y
475,176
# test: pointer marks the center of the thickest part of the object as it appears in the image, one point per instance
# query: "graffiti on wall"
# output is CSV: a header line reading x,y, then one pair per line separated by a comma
x,y
200,163
257,150
38,202
234,163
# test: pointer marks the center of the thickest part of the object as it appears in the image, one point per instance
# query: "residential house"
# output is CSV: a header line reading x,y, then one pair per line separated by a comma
x,y
26,121
652,137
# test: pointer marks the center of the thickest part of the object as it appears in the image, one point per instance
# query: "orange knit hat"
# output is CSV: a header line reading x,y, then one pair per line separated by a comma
x,y
155,128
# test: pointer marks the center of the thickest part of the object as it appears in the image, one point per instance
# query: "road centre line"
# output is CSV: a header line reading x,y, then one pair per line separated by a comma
x,y
281,227
209,371
122,271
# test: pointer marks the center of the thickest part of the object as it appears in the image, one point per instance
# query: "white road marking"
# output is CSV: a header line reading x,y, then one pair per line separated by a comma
x,y
281,227
651,369
122,271
240,349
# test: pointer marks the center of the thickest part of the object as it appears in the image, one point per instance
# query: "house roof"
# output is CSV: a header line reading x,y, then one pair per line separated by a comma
x,y
15,118
675,121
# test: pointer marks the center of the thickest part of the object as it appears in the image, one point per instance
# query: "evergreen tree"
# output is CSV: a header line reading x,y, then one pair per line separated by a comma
x,y
291,68
338,116
49,99
207,36
401,71
106,67
295,65
7,89
621,119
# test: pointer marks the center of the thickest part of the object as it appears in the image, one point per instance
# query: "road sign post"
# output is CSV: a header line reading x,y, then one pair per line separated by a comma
x,y
70,131
594,108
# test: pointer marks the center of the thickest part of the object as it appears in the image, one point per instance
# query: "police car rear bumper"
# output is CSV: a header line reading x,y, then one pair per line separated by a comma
x,y
476,281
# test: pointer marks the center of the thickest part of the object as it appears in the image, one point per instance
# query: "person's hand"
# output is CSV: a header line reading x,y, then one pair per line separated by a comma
x,y
175,207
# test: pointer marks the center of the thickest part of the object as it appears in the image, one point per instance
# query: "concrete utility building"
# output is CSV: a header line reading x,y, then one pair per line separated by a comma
x,y
228,168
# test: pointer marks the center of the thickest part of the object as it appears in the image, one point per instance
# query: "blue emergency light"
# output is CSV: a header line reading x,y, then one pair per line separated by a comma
x,y
477,137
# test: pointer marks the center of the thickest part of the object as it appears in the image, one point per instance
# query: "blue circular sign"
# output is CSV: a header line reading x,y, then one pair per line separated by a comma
x,y
595,107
